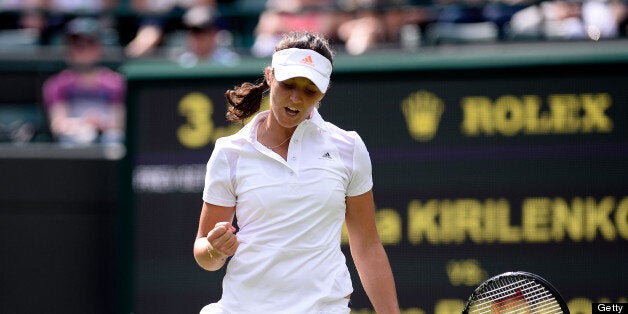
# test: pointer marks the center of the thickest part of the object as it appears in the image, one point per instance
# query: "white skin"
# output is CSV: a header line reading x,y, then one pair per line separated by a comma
x,y
291,102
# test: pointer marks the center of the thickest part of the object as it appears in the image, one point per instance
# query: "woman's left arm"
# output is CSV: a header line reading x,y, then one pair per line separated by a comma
x,y
368,254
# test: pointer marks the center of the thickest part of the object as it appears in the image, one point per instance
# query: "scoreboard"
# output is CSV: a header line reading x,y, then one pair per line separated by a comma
x,y
481,165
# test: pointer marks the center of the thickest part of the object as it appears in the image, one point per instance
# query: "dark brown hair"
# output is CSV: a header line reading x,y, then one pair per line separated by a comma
x,y
246,99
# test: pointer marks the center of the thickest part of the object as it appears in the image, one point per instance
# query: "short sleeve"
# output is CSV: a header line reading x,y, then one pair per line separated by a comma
x,y
55,88
361,179
219,188
117,85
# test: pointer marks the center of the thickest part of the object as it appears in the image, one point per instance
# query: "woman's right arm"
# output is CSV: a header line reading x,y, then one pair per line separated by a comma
x,y
215,239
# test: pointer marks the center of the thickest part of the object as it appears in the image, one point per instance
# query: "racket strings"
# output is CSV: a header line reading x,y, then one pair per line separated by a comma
x,y
515,296
533,304
520,306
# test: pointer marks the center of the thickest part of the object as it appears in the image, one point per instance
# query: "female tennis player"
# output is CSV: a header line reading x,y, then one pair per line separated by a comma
x,y
291,179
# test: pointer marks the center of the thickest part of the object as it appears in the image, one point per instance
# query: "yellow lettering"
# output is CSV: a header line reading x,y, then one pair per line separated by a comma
x,y
422,222
594,117
448,229
448,306
621,218
469,218
489,224
508,115
535,121
465,272
566,220
506,232
197,109
199,129
543,219
597,217
564,109
535,219
477,116
579,305
388,226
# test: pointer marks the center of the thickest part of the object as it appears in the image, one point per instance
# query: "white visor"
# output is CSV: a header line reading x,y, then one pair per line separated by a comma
x,y
295,62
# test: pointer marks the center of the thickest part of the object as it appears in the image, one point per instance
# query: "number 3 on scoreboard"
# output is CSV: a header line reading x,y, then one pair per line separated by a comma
x,y
197,131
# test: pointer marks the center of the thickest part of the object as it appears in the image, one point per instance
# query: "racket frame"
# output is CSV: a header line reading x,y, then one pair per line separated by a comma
x,y
517,274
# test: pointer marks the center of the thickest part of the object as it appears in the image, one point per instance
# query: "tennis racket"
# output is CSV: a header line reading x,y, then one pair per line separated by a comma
x,y
515,292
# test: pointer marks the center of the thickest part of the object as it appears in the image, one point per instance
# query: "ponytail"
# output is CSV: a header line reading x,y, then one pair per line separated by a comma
x,y
245,100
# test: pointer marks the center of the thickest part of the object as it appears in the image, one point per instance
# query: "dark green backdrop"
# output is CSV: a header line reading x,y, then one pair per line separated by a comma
x,y
524,167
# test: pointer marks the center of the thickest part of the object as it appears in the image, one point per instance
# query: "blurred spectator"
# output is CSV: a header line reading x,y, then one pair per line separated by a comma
x,y
602,19
10,12
85,102
47,18
406,21
460,11
500,12
371,23
282,16
358,25
497,12
571,19
24,19
621,9
157,18
362,26
562,19
204,42
57,13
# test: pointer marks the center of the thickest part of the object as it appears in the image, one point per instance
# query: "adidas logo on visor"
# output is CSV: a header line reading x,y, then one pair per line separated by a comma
x,y
295,62
308,60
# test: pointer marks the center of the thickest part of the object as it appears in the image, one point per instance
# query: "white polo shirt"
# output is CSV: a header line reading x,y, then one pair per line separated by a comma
x,y
289,213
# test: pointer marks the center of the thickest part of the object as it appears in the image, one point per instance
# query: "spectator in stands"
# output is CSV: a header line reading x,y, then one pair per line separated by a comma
x,y
10,12
153,21
204,42
571,19
621,10
362,25
460,11
283,16
85,102
59,12
157,18
406,20
500,12
602,18
493,14
357,25
24,20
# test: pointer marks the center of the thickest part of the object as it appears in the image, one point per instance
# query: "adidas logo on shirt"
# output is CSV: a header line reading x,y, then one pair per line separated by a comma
x,y
326,155
308,60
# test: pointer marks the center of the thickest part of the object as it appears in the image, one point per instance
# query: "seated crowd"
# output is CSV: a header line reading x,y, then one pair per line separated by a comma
x,y
252,27
84,103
